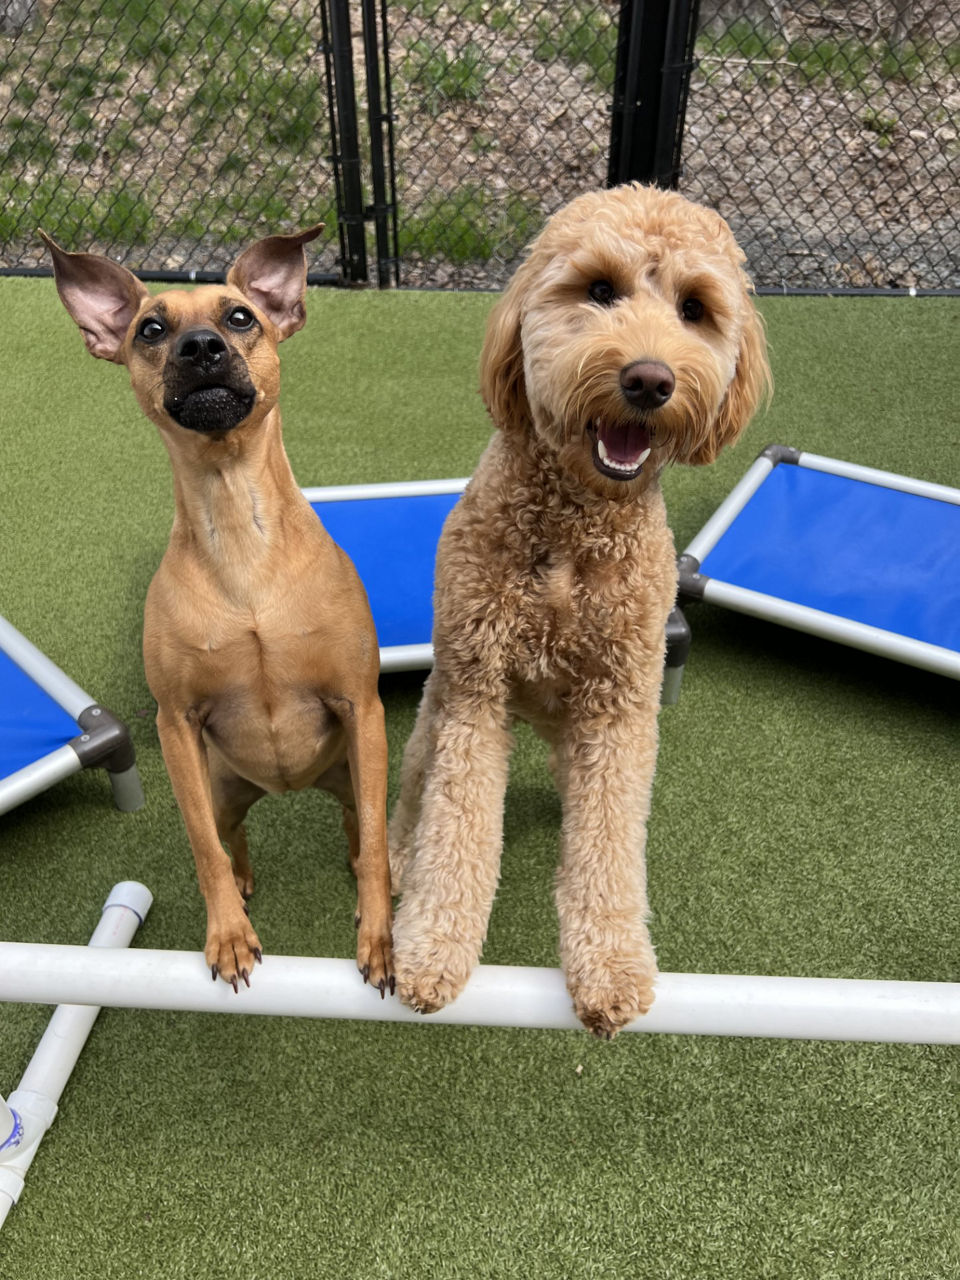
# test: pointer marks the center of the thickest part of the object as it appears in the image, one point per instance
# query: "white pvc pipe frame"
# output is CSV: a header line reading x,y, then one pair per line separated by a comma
x,y
31,1108
496,995
828,626
82,979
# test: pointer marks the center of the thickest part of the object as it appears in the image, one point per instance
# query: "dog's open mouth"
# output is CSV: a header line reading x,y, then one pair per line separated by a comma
x,y
620,448
210,409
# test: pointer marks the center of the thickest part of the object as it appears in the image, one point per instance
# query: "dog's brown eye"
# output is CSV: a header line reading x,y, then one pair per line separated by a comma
x,y
240,318
692,310
151,329
603,292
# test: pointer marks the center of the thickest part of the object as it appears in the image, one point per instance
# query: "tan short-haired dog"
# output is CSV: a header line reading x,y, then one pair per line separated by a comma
x,y
258,642
627,340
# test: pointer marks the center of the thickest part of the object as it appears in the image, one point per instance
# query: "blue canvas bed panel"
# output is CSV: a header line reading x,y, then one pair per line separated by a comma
x,y
852,554
50,728
390,532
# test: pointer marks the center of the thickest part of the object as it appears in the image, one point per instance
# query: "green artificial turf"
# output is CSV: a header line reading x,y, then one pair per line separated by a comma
x,y
804,822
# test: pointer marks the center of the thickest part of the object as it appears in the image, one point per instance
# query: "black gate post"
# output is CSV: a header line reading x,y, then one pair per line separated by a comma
x,y
654,61
346,159
383,210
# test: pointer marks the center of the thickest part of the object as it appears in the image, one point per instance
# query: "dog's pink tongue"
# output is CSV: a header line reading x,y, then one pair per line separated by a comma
x,y
624,444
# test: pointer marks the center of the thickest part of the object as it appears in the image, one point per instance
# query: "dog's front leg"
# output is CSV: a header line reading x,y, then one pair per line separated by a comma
x,y
605,770
451,880
367,757
232,947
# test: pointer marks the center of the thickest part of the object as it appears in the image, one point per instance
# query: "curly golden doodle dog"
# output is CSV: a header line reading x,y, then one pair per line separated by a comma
x,y
626,340
258,642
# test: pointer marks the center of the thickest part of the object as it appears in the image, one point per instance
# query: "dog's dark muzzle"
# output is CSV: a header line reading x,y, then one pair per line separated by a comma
x,y
206,385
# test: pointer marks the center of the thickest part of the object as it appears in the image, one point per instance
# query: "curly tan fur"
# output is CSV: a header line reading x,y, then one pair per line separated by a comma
x,y
554,578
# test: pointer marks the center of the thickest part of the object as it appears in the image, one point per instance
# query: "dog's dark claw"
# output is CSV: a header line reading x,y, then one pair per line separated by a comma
x,y
258,955
244,974
214,971
382,984
235,985
366,973
393,984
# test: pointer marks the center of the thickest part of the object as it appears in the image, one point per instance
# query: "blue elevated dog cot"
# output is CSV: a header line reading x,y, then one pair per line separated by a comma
x,y
845,552
50,728
390,531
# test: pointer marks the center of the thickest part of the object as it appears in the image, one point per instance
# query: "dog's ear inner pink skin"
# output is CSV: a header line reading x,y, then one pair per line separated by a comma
x,y
100,295
273,274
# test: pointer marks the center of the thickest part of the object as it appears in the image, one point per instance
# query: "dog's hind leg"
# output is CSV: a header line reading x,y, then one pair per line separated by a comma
x,y
451,880
417,762
605,772
232,797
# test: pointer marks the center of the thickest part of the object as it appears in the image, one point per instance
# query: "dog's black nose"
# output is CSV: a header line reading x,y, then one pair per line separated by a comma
x,y
647,384
203,348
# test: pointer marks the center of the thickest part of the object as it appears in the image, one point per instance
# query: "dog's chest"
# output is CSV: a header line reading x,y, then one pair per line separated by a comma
x,y
572,616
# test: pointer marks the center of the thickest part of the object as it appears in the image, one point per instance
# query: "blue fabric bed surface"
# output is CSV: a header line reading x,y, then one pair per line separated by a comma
x,y
31,723
875,555
393,543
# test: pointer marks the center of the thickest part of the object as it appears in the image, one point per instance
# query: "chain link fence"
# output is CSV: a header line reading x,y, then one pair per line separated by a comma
x,y
503,115
164,135
826,132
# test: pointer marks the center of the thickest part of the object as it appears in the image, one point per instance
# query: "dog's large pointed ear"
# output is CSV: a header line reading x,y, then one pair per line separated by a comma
x,y
273,274
502,383
100,295
752,385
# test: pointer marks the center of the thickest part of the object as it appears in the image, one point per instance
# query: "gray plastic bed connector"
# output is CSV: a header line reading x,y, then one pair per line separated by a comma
x,y
690,581
780,453
105,742
678,649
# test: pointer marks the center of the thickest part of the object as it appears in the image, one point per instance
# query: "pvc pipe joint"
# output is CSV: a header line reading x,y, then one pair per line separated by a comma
x,y
32,1107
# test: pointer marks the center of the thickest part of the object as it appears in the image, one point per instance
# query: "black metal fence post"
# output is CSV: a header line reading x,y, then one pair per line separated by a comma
x,y
383,209
654,61
347,152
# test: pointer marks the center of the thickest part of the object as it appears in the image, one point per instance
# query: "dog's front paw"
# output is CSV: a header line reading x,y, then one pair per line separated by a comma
x,y
375,955
432,975
610,997
232,951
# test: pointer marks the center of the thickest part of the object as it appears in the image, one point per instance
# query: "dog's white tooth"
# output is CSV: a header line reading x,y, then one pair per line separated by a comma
x,y
643,457
602,451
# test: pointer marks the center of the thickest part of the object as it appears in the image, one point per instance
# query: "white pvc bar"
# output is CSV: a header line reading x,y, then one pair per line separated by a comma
x,y
496,995
37,776
30,1109
43,670
729,509
406,657
830,626
391,489
885,479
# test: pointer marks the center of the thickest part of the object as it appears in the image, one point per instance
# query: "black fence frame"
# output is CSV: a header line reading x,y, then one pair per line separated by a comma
x,y
655,58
